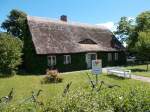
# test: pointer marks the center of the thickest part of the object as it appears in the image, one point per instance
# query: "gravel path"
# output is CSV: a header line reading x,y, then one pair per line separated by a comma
x,y
141,78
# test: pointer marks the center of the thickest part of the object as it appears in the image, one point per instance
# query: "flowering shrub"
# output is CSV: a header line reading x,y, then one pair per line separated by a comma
x,y
52,76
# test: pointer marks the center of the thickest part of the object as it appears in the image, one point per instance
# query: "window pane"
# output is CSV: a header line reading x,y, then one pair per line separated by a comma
x,y
54,60
116,56
69,59
49,60
64,59
109,57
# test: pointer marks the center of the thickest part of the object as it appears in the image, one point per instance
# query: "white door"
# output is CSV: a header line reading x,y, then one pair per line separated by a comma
x,y
89,58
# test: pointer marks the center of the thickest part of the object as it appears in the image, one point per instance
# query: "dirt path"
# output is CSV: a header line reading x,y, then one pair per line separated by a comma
x,y
145,79
141,78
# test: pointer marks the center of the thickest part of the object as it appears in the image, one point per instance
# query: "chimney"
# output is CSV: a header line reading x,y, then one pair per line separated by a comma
x,y
63,18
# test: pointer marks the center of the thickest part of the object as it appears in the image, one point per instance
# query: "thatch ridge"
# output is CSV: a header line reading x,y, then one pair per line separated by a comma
x,y
86,25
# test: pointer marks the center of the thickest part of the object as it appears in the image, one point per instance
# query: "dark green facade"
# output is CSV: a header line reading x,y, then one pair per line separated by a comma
x,y
104,57
39,63
78,61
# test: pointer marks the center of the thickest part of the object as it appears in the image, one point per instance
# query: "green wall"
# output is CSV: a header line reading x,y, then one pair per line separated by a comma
x,y
121,58
77,62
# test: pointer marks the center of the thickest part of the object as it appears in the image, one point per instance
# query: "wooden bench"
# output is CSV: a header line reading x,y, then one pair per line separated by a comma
x,y
119,72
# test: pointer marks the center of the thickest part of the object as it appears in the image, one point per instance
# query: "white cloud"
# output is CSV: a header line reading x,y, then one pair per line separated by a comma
x,y
110,25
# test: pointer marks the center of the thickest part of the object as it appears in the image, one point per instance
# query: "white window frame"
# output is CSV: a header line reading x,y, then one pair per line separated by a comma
x,y
116,56
51,60
109,56
67,59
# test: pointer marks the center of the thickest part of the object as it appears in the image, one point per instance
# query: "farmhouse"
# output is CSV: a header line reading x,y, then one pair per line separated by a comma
x,y
69,46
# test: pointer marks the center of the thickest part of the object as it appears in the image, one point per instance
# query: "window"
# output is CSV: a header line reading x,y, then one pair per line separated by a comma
x,y
67,59
51,60
116,56
109,57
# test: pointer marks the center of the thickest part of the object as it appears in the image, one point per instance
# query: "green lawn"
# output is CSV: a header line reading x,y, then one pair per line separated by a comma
x,y
139,70
23,85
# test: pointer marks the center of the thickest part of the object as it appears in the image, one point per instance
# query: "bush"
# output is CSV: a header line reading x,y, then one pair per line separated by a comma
x,y
10,53
52,76
81,100
107,100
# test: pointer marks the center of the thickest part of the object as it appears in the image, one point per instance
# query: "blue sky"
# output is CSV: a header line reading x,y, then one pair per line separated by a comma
x,y
105,12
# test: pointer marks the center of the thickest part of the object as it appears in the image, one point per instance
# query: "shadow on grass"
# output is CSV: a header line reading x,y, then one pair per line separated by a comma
x,y
25,73
28,74
6,75
20,73
138,70
116,77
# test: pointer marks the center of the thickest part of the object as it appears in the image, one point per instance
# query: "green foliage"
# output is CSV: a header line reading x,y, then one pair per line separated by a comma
x,y
124,28
15,23
142,24
113,100
143,45
10,53
136,99
137,34
143,21
52,76
128,29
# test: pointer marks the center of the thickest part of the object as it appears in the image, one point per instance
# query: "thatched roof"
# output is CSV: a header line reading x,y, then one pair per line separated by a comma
x,y
56,37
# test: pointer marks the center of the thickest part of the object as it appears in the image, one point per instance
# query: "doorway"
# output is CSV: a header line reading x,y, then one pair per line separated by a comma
x,y
89,58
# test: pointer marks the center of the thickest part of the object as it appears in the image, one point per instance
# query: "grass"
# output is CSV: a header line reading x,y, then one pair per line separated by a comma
x,y
23,85
139,70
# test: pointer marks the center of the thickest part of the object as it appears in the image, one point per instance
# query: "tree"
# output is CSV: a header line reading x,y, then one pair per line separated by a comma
x,y
16,23
137,35
142,24
143,46
128,29
10,53
124,28
143,21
